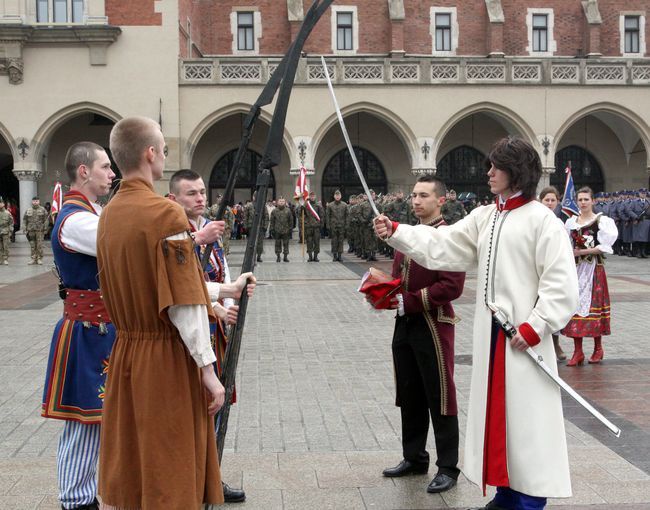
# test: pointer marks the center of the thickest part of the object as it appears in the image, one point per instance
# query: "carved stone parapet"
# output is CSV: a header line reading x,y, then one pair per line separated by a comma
x,y
27,175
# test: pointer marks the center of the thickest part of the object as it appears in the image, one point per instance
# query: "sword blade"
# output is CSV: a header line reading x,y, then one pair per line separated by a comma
x,y
539,360
347,138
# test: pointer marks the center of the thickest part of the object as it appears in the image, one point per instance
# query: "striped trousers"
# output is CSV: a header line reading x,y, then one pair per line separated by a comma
x,y
77,457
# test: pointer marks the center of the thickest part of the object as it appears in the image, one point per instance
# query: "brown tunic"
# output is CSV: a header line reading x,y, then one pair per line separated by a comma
x,y
158,446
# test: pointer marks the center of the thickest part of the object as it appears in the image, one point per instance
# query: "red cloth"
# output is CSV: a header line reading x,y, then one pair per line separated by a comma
x,y
529,334
380,288
495,459
597,323
512,203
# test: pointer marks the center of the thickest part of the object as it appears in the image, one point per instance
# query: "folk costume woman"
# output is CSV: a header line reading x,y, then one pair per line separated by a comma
x,y
550,197
515,436
592,235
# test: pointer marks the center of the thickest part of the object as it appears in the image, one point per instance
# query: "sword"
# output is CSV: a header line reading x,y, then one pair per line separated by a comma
x,y
511,331
347,138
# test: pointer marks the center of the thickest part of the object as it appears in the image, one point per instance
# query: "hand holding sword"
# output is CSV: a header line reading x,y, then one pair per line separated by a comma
x,y
511,332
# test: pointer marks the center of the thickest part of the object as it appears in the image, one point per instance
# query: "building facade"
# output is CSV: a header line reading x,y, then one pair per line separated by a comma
x,y
424,86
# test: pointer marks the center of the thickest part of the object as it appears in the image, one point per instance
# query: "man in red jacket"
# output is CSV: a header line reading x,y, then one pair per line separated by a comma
x,y
423,352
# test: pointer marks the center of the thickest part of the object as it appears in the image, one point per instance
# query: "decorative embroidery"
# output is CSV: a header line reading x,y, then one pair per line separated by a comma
x,y
102,392
105,366
180,256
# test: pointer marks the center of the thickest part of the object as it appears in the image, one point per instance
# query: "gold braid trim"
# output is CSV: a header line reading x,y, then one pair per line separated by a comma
x,y
442,363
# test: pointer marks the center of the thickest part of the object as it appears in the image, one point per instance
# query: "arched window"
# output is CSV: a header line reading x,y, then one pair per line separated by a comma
x,y
340,174
585,169
246,177
463,170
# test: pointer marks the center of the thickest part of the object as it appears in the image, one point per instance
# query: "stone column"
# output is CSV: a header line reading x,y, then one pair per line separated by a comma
x,y
27,190
545,180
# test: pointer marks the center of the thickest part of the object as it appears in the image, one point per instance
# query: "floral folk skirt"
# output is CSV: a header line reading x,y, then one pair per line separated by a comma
x,y
597,322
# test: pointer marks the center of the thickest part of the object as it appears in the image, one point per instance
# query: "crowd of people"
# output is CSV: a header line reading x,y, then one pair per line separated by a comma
x,y
116,349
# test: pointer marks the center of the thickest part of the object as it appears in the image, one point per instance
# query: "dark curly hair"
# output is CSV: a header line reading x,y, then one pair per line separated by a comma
x,y
520,161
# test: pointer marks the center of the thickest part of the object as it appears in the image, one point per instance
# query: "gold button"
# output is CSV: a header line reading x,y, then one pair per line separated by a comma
x,y
81,295
99,316
80,315
74,304
92,306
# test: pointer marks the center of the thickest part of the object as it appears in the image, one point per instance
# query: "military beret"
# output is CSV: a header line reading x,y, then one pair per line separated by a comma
x,y
35,198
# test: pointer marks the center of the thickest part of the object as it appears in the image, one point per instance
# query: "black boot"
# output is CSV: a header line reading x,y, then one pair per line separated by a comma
x,y
340,260
335,257
231,495
371,257
277,257
286,257
259,258
311,258
316,257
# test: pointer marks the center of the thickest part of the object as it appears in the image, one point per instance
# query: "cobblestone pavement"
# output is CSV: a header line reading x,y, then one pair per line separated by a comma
x,y
315,422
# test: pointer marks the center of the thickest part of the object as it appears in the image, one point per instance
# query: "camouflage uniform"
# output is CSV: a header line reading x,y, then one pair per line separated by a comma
x,y
249,213
337,215
281,226
366,215
229,218
452,211
312,228
35,223
6,228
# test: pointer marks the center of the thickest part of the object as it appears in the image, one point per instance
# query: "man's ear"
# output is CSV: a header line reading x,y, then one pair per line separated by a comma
x,y
442,200
171,197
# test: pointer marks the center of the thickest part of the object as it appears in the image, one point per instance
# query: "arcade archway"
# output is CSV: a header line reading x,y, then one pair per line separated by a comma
x,y
340,174
246,177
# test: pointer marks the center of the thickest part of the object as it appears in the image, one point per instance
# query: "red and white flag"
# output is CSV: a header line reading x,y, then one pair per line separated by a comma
x,y
57,198
301,193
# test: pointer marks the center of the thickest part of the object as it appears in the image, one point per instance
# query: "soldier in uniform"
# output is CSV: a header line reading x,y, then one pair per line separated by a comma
x,y
249,213
35,223
453,210
369,239
337,215
281,226
641,227
228,217
348,223
6,228
313,223
400,211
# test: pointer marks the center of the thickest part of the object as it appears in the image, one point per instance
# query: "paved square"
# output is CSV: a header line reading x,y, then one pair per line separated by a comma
x,y
315,422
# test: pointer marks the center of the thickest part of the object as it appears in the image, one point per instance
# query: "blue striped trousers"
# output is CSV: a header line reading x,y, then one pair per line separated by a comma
x,y
77,457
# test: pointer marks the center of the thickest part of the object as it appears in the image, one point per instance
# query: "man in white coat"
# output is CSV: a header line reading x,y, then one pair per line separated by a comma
x,y
515,427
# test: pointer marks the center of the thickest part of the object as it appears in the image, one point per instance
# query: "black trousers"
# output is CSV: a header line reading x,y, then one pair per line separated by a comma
x,y
418,393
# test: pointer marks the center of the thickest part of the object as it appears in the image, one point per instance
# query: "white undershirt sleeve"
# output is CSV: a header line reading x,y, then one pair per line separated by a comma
x,y
79,233
194,328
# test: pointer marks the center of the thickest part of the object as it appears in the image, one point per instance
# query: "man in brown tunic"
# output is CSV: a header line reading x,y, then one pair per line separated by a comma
x,y
158,446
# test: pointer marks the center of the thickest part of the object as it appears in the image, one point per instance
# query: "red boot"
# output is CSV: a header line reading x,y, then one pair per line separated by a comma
x,y
578,357
598,354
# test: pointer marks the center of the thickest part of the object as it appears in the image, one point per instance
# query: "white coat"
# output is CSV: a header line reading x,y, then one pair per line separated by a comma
x,y
532,278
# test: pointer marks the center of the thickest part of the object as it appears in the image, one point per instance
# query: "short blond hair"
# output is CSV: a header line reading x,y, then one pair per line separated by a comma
x,y
130,138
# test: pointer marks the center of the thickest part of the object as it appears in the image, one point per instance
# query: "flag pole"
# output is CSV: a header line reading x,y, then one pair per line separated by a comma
x,y
302,226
